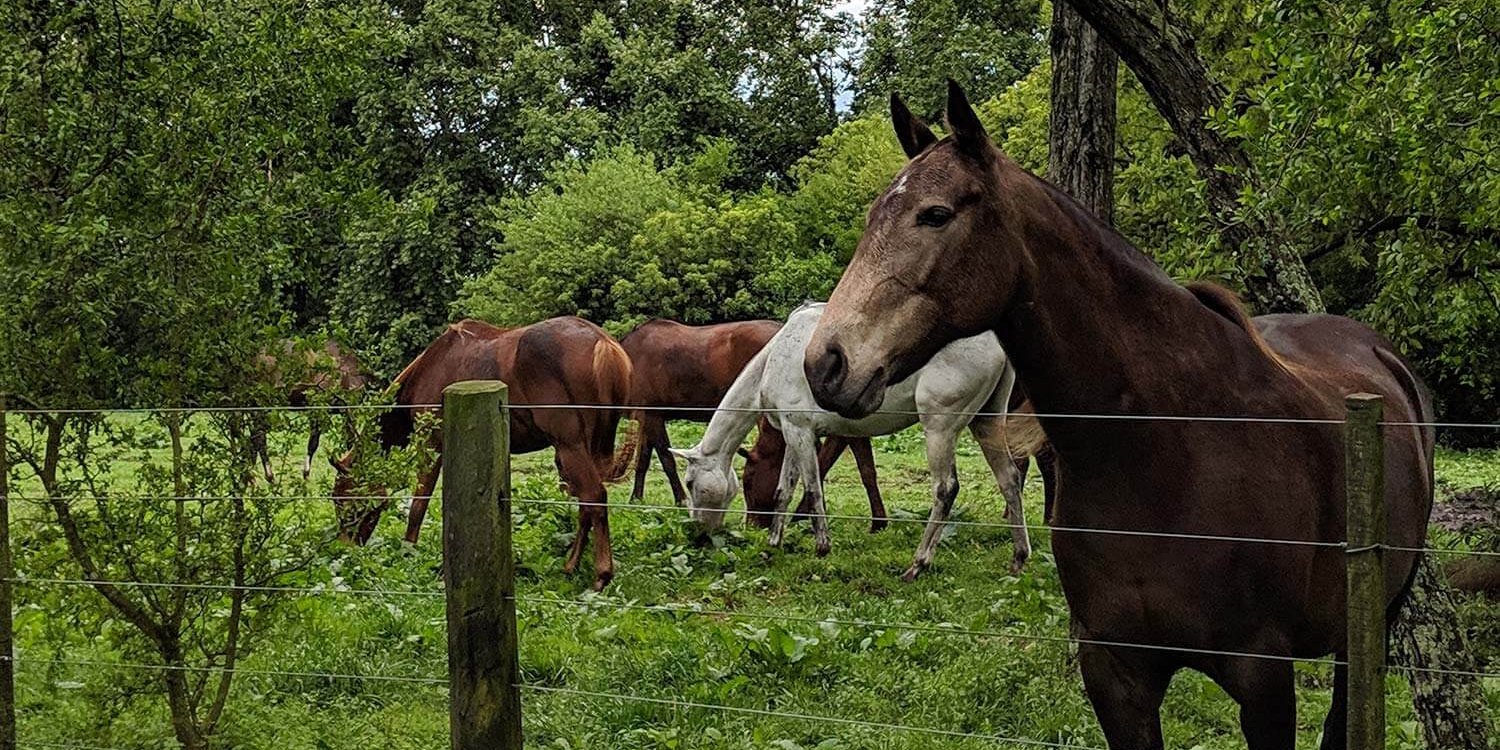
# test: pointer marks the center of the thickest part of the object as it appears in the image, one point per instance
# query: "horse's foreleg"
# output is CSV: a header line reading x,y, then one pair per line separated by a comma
x,y
864,458
798,455
940,437
426,483
812,473
989,432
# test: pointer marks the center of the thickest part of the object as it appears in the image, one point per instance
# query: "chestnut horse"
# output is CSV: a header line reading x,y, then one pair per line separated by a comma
x,y
558,361
690,368
301,372
966,241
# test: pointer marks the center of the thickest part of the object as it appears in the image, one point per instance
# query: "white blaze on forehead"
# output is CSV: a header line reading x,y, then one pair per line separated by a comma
x,y
900,185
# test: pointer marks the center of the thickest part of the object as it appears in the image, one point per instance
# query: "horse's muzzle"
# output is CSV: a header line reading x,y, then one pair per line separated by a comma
x,y
836,388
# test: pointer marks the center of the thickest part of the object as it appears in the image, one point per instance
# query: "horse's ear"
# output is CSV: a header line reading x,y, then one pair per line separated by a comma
x,y
914,134
341,465
964,123
680,453
743,453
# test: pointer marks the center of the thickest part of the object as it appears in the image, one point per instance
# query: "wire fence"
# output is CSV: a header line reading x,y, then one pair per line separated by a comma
x,y
946,630
710,410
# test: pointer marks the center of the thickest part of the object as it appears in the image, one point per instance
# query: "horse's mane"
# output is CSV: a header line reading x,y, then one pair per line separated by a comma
x,y
1226,304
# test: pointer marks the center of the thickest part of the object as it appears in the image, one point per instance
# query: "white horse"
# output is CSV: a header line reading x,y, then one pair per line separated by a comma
x,y
967,376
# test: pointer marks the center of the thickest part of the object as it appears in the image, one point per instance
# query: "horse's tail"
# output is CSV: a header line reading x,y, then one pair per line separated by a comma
x,y
1421,401
612,373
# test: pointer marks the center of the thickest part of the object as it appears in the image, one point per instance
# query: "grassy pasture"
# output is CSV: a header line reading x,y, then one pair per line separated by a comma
x,y
788,646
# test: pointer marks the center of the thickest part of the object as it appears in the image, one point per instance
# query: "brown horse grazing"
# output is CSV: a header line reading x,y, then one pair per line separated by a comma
x,y
763,473
965,241
329,369
690,368
558,361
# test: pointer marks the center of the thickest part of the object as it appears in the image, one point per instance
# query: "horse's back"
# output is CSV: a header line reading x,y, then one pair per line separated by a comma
x,y
682,365
1338,356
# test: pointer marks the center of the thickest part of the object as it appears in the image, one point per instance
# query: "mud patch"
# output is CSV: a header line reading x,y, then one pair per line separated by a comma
x,y
1467,510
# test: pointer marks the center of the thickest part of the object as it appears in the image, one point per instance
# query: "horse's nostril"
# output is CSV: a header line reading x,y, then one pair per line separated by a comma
x,y
835,366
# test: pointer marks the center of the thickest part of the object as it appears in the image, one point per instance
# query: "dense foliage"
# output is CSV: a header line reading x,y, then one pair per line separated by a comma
x,y
184,186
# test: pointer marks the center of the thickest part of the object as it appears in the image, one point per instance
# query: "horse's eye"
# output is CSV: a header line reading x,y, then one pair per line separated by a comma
x,y
935,216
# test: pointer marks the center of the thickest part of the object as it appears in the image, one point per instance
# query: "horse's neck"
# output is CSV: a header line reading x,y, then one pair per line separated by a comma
x,y
1095,327
737,412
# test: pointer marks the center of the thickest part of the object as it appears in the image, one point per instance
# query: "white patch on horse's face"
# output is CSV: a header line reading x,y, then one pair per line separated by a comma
x,y
711,486
900,186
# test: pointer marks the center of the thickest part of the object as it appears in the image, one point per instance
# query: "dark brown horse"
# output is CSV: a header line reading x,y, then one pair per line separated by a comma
x,y
689,368
964,241
558,361
301,372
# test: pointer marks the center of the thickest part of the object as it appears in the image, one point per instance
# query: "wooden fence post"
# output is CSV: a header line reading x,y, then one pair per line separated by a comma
x,y
479,572
1364,482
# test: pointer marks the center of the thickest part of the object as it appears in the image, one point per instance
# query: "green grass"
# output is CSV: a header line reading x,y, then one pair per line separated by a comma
x,y
962,683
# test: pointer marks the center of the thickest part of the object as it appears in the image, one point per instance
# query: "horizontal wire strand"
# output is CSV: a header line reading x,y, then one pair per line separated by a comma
x,y
745,410
680,703
980,524
63,745
831,516
305,590
939,629
1435,670
235,670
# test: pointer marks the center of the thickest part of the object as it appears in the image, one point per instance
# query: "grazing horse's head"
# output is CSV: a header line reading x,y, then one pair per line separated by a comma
x,y
921,276
711,485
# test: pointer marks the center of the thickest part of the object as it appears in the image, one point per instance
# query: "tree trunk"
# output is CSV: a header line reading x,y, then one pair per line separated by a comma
x,y
1450,707
1081,128
1162,56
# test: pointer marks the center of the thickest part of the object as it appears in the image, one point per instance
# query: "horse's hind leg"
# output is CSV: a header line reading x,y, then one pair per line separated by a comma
x,y
1335,727
989,432
1265,690
642,456
864,458
1126,691
663,443
581,473
940,434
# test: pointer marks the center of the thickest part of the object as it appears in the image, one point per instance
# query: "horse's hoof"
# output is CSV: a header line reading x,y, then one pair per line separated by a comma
x,y
569,567
603,580
1017,563
822,549
910,574
878,525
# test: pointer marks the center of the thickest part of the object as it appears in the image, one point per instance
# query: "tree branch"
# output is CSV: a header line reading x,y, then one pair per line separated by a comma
x,y
1396,221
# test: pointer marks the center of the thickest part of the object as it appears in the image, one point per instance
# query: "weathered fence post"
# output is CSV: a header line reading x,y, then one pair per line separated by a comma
x,y
1364,482
483,665
7,627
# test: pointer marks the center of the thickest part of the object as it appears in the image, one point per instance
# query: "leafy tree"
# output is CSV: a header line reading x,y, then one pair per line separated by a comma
x,y
619,241
158,166
912,46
